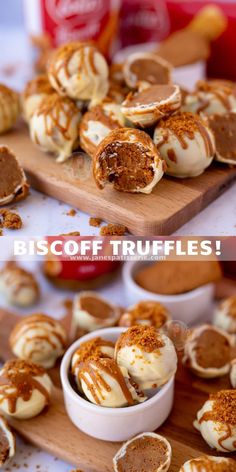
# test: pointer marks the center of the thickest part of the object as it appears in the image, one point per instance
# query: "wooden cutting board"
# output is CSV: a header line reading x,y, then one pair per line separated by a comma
x,y
54,432
172,203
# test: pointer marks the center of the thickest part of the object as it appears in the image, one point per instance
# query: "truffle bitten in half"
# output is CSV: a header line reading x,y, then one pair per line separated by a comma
x,y
128,159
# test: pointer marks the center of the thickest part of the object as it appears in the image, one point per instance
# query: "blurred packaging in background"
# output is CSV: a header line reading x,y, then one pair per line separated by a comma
x,y
222,62
116,24
143,21
70,20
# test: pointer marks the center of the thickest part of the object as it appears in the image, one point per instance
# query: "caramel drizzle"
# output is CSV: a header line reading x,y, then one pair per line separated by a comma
x,y
40,85
93,351
60,61
35,323
108,366
21,384
54,107
190,134
17,278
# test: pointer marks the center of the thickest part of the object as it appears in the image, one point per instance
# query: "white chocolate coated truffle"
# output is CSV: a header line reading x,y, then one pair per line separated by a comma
x,y
146,107
25,389
148,313
148,355
91,312
96,348
18,285
104,383
79,71
54,126
149,450
225,315
7,442
208,351
186,143
216,421
34,93
213,97
40,339
9,108
128,160
97,123
146,67
208,464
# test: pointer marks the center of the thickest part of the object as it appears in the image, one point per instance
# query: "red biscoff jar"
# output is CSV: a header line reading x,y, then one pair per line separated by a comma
x,y
74,20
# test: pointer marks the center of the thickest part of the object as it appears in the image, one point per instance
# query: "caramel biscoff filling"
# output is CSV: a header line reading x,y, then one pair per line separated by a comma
x,y
224,407
96,307
150,71
144,337
154,94
223,127
212,349
4,447
127,165
11,174
145,454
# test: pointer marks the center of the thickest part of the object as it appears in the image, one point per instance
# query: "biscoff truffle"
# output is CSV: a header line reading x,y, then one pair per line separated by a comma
x,y
186,143
54,126
146,68
216,421
14,185
147,452
223,128
9,108
147,107
148,313
7,442
35,91
96,124
128,159
79,71
208,351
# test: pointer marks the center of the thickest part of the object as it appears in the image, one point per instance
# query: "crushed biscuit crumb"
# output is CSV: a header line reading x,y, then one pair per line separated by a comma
x,y
112,230
10,220
71,212
96,222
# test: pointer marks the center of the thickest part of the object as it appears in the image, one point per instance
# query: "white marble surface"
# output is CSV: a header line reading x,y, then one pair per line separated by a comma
x,y
44,215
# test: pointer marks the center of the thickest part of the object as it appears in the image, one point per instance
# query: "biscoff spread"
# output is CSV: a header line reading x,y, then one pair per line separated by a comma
x,y
144,454
151,95
146,69
96,307
212,349
145,338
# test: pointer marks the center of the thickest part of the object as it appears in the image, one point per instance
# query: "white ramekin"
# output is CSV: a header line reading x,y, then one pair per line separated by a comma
x,y
187,307
113,424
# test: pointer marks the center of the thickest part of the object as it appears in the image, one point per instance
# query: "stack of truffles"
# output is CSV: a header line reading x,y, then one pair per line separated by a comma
x,y
123,374
130,118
